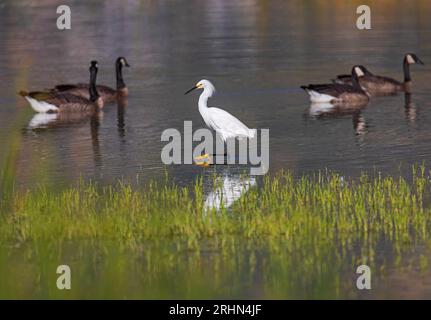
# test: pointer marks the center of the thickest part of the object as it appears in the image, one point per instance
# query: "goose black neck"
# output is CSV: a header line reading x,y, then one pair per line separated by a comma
x,y
93,90
119,73
355,82
406,68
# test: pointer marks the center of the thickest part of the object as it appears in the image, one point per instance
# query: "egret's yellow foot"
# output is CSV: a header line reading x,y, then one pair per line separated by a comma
x,y
203,160
202,164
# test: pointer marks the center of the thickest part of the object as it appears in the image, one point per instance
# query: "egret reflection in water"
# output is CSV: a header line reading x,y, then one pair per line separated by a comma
x,y
230,187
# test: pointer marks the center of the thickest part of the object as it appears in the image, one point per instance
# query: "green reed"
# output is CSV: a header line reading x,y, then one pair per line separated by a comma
x,y
300,234
301,210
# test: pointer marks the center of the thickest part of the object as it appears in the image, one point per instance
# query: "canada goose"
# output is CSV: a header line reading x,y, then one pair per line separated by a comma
x,y
339,93
375,84
108,94
52,102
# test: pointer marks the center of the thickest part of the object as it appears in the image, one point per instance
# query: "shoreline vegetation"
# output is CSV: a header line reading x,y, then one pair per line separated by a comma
x,y
297,237
282,206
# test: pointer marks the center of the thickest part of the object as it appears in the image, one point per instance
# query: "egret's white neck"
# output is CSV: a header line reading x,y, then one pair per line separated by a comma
x,y
203,99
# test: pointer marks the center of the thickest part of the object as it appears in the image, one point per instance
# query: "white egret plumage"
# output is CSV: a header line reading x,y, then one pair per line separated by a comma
x,y
225,124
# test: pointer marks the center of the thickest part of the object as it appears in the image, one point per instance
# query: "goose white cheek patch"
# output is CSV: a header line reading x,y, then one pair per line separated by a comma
x,y
410,59
359,72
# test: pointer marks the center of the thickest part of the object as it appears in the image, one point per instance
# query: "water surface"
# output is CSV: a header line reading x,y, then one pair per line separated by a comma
x,y
257,53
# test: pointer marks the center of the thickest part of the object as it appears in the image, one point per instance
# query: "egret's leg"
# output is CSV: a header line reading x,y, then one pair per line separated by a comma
x,y
205,159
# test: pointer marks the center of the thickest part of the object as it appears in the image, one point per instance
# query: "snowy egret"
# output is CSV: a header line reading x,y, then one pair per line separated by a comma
x,y
225,124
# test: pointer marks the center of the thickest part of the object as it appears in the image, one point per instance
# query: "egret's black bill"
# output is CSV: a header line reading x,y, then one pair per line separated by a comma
x,y
191,90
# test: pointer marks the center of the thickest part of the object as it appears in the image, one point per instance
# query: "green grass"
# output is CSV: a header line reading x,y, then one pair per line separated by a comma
x,y
304,209
302,236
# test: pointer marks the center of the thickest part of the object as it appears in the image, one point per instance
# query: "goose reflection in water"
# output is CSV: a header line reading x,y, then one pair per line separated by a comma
x,y
410,108
328,110
228,189
62,120
53,121
121,124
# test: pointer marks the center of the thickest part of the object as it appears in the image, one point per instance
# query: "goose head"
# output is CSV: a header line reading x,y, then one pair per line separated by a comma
x,y
411,58
121,61
359,71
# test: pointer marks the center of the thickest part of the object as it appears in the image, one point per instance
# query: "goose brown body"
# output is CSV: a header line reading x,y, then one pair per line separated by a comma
x,y
381,85
375,85
55,102
107,94
339,93
65,102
